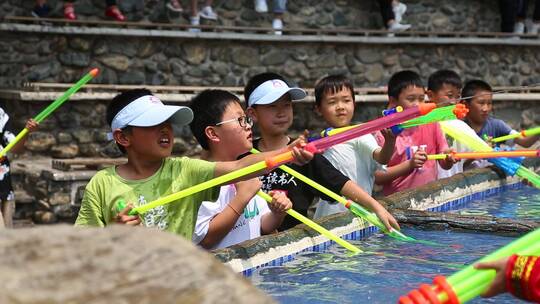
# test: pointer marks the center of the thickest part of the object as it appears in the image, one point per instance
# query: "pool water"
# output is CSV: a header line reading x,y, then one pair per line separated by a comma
x,y
518,204
334,276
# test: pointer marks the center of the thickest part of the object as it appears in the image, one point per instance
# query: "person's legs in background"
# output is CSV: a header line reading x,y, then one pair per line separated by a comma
x,y
508,10
535,27
41,9
279,8
389,18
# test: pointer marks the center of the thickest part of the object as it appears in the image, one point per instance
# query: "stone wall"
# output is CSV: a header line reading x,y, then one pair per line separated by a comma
x,y
432,15
161,61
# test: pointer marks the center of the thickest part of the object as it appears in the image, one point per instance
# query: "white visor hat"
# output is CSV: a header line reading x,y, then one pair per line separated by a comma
x,y
148,111
272,90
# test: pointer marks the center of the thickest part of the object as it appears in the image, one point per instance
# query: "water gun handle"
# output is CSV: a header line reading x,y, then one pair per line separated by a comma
x,y
121,205
395,129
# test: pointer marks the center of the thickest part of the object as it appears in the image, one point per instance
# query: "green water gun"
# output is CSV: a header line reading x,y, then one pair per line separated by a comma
x,y
51,108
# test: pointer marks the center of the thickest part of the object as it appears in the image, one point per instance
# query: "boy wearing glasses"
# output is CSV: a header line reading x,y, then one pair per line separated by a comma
x,y
141,126
222,128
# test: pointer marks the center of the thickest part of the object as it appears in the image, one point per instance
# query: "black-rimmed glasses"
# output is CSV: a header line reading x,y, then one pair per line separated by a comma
x,y
243,121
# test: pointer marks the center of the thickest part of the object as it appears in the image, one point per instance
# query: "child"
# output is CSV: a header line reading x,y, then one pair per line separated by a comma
x,y
6,189
359,158
479,119
222,128
142,127
409,167
269,101
444,86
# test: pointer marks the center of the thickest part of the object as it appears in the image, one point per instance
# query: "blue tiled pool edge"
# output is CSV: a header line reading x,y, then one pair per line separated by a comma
x,y
359,230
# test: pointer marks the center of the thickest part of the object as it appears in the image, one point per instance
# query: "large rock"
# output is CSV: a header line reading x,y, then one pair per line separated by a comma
x,y
114,265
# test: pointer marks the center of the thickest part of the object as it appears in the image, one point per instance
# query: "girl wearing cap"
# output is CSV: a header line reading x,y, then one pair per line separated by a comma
x,y
141,126
269,100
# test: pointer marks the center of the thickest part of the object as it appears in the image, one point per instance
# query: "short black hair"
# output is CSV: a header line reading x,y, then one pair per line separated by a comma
x,y
119,102
333,84
208,108
401,80
473,86
257,80
442,77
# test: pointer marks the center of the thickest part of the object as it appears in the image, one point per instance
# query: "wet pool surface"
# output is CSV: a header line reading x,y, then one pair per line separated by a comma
x,y
333,276
519,204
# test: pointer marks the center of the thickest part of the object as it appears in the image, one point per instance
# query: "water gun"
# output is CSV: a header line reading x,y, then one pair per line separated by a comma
x,y
353,207
509,166
458,111
121,204
469,282
317,146
523,133
51,108
494,154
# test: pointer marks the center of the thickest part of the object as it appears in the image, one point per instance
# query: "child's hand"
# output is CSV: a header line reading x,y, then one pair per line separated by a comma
x,y
247,189
123,217
301,156
280,202
450,159
388,135
31,125
387,219
498,284
300,141
418,159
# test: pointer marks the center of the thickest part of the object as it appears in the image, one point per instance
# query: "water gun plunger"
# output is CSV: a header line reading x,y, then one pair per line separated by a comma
x,y
458,111
274,162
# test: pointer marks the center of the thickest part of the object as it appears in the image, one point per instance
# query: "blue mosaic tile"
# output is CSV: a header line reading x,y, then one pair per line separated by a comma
x,y
366,232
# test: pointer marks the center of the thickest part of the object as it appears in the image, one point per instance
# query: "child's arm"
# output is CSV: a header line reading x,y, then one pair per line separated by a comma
x,y
357,194
272,220
526,142
405,168
32,126
383,156
224,221
300,155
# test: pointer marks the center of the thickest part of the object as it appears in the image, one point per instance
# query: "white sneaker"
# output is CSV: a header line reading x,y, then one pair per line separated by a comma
x,y
208,13
194,21
534,28
519,28
261,6
277,25
399,10
398,27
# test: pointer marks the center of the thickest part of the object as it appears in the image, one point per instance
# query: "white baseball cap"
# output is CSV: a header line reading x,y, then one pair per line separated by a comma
x,y
147,111
272,90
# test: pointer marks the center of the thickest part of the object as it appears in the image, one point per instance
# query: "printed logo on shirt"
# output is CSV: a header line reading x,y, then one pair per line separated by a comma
x,y
274,178
155,217
248,214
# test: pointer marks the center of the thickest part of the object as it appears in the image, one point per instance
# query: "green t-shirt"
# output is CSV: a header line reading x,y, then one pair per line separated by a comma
x,y
98,206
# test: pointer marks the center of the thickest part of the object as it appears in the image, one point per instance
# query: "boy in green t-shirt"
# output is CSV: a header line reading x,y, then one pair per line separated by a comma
x,y
142,127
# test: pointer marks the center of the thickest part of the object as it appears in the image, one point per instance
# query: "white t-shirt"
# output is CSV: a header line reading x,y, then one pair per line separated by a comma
x,y
355,160
248,225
